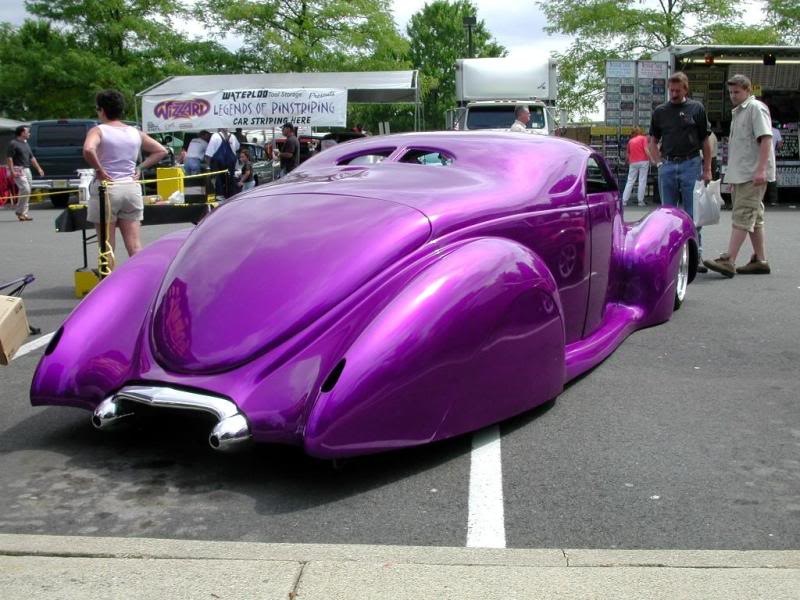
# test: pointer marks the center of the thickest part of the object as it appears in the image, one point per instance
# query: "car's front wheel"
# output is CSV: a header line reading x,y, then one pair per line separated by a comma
x,y
682,275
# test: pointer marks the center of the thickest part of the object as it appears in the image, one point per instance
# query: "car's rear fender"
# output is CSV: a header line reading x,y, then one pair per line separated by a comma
x,y
645,262
475,338
94,351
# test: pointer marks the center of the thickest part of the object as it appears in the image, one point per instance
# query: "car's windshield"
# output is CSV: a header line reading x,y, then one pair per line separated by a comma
x,y
501,117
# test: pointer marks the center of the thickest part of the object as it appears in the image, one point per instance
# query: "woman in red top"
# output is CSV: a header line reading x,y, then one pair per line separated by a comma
x,y
638,165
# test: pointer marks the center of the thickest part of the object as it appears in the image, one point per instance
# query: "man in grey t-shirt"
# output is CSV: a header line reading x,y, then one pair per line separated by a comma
x,y
19,160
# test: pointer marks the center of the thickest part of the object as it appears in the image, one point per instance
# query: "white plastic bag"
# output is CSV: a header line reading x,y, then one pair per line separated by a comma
x,y
176,197
707,203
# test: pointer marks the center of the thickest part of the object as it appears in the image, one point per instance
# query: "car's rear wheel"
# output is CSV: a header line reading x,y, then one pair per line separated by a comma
x,y
682,276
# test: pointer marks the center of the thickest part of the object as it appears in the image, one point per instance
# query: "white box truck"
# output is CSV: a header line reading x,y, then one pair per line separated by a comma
x,y
488,90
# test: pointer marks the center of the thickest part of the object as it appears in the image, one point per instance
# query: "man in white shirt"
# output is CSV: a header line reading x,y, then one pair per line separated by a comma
x,y
751,164
221,156
196,152
522,115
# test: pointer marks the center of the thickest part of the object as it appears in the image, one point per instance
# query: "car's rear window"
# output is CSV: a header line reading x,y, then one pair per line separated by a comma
x,y
368,157
60,135
427,157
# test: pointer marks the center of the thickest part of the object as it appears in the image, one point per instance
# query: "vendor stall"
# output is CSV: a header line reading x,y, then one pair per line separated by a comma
x,y
775,74
266,100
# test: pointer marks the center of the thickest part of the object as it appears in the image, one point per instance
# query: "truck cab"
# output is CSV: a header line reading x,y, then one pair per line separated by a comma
x,y
499,114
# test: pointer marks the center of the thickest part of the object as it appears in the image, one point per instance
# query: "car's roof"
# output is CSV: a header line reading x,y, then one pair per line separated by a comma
x,y
469,148
491,172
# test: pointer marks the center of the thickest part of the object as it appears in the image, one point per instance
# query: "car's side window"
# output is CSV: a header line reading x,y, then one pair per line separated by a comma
x,y
432,158
370,157
597,179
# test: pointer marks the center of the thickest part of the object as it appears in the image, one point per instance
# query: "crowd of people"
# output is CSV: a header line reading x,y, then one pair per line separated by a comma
x,y
680,144
682,148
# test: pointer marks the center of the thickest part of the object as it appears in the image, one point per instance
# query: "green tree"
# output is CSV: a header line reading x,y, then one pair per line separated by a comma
x,y
310,35
117,28
52,66
608,29
741,35
46,74
437,38
318,35
784,15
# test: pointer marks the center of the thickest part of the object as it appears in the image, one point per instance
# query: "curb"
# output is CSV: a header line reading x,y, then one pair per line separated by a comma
x,y
147,548
87,568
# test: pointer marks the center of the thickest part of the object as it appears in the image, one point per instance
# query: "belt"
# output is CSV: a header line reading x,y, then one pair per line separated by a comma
x,y
683,158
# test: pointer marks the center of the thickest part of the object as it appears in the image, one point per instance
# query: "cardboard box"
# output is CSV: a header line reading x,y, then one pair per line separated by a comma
x,y
13,327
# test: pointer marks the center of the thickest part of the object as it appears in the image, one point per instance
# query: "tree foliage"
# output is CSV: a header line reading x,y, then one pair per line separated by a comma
x,y
52,66
317,35
607,29
437,38
116,28
309,35
61,85
784,16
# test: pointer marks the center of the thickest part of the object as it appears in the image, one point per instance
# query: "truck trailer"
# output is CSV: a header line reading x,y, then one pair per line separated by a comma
x,y
488,91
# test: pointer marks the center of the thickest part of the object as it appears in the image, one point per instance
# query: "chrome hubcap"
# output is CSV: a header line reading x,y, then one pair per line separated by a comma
x,y
682,280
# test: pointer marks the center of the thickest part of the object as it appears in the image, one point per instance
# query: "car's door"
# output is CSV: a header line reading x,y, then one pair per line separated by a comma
x,y
602,197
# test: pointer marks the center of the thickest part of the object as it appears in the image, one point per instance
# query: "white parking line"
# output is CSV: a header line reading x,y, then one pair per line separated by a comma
x,y
31,346
486,526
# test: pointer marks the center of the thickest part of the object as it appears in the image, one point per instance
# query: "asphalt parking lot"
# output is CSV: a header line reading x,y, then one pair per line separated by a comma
x,y
687,437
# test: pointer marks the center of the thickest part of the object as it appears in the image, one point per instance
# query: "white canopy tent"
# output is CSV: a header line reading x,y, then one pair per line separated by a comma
x,y
11,123
363,87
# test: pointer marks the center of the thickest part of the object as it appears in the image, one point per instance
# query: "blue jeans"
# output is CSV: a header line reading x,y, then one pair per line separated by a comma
x,y
192,166
676,186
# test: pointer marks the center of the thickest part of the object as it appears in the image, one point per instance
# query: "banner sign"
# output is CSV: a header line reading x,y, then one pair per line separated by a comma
x,y
248,109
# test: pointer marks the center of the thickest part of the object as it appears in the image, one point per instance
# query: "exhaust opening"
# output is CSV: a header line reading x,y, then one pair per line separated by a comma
x,y
51,346
333,377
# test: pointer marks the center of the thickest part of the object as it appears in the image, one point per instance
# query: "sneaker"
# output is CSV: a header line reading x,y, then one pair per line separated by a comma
x,y
701,268
754,267
642,205
722,265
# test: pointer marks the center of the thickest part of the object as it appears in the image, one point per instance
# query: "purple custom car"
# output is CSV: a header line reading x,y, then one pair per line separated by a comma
x,y
390,292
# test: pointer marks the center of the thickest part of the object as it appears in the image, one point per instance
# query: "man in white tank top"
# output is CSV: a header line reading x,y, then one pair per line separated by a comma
x,y
112,149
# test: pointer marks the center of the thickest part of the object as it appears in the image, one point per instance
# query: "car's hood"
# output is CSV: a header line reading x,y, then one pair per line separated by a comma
x,y
261,269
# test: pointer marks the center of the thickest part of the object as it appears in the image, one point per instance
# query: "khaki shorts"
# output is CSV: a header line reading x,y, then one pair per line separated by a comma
x,y
748,205
125,197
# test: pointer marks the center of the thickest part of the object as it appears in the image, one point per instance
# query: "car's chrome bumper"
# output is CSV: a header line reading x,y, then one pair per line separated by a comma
x,y
230,432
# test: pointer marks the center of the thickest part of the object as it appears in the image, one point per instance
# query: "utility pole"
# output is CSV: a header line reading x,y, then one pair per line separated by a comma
x,y
469,23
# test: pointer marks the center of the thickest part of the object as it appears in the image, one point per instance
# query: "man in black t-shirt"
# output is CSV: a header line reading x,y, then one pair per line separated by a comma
x,y
290,152
20,159
681,128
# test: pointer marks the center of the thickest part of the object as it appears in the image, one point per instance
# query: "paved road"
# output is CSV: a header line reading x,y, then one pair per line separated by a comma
x,y
687,437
